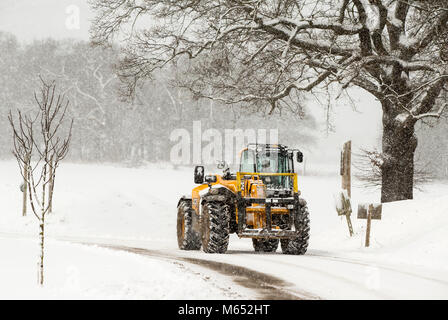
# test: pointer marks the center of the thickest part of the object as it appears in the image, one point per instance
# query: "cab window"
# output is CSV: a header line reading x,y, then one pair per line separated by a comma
x,y
247,161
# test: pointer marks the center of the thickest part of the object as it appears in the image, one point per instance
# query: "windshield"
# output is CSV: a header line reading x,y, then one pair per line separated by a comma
x,y
272,162
268,162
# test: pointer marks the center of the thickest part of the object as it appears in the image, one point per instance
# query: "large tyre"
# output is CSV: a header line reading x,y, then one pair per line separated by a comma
x,y
301,219
265,245
187,238
215,227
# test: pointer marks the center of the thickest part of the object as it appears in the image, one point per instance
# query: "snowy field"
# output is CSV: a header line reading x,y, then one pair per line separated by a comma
x,y
137,207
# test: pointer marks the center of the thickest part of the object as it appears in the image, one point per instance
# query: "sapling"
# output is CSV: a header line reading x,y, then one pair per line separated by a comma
x,y
40,143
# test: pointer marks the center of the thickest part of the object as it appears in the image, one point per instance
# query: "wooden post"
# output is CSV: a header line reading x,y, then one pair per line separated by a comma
x,y
346,171
346,160
369,222
349,223
369,212
344,208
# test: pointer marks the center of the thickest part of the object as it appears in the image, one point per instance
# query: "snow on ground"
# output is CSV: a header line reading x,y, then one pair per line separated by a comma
x,y
139,205
412,232
76,271
99,200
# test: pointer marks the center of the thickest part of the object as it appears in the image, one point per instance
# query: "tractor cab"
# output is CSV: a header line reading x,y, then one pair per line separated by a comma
x,y
271,159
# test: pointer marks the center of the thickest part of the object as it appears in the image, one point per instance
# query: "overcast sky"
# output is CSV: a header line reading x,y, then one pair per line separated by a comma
x,y
37,19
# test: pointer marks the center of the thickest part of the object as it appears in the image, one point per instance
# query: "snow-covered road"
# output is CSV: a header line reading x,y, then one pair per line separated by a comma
x,y
134,210
316,275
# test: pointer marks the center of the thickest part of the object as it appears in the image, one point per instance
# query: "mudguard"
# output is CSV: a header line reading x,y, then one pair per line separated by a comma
x,y
218,193
184,197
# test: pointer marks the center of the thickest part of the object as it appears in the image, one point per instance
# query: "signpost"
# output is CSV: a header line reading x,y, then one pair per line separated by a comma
x,y
346,168
344,207
369,212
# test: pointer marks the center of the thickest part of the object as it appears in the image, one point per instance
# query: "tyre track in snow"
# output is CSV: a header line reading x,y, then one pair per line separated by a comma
x,y
351,277
377,265
285,279
288,277
349,261
323,274
266,286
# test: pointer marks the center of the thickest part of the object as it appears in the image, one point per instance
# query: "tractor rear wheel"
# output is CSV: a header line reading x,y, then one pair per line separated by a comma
x,y
265,245
187,237
215,227
299,245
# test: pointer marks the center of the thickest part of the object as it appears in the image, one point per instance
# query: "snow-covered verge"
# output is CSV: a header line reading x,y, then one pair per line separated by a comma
x,y
412,232
76,271
137,206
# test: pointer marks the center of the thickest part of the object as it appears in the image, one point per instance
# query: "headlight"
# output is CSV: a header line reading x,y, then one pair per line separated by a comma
x,y
210,179
214,191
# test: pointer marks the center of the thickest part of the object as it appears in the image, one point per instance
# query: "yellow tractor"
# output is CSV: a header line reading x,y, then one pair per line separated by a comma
x,y
261,201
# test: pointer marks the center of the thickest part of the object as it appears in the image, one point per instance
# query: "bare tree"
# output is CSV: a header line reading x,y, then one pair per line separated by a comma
x,y
39,146
267,52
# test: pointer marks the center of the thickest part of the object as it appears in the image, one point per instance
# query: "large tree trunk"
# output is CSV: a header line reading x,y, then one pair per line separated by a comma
x,y
399,144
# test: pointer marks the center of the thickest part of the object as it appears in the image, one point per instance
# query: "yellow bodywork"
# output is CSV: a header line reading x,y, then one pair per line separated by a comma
x,y
251,186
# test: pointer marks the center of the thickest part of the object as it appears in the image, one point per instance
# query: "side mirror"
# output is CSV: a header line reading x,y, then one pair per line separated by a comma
x,y
209,179
299,157
199,174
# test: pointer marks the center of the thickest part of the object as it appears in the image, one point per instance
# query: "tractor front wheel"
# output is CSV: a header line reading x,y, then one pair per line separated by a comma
x,y
299,245
215,225
187,237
